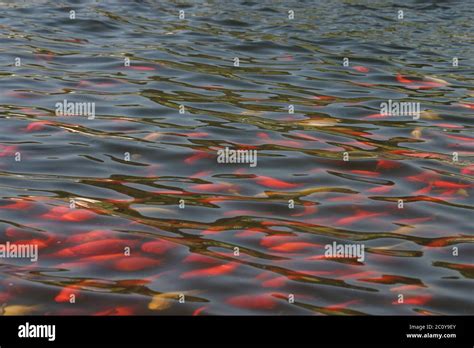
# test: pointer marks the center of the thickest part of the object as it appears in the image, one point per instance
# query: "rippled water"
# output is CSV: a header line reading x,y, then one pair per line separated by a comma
x,y
48,162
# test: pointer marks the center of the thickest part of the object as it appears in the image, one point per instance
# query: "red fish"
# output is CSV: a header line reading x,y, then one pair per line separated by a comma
x,y
212,271
264,301
448,125
17,205
414,221
450,185
170,192
108,246
7,150
202,174
135,263
385,164
402,79
362,69
214,230
66,292
419,84
65,214
197,134
214,187
277,282
158,247
360,215
141,68
294,246
324,97
270,241
197,156
461,138
199,311
467,105
263,135
89,236
309,209
403,288
274,183
37,126
306,136
339,306
379,115
424,191
250,232
101,258
380,189
469,170
416,300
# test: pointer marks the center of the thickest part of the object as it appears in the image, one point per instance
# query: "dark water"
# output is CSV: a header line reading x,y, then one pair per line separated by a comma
x,y
133,202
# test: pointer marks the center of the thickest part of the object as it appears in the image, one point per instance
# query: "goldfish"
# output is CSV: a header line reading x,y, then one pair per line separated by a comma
x,y
135,263
360,215
293,246
108,246
450,185
263,301
17,205
141,68
277,282
199,310
213,187
37,126
275,183
415,300
66,214
380,189
157,247
324,97
342,305
211,271
362,69
273,240
431,83
467,105
197,156
89,236
7,150
66,292
469,170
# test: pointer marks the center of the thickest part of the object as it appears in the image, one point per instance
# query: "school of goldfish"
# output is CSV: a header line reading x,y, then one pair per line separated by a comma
x,y
169,231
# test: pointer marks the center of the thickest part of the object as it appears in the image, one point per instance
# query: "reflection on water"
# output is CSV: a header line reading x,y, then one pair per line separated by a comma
x,y
211,238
